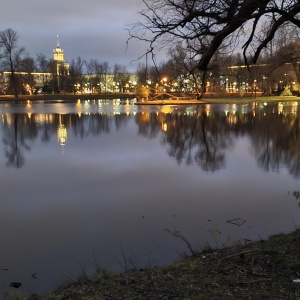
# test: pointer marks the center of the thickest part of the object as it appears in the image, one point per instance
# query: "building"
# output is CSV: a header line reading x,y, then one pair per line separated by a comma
x,y
62,67
59,79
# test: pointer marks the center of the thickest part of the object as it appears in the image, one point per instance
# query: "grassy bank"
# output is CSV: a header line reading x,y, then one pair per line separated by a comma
x,y
227,100
259,270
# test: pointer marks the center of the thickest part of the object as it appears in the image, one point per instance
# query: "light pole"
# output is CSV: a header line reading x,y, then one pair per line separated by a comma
x,y
285,80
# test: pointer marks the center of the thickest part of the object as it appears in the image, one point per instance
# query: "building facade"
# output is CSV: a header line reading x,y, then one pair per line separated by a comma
x,y
61,67
59,79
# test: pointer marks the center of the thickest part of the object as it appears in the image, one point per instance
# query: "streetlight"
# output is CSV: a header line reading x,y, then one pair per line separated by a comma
x,y
99,87
164,82
127,87
264,83
285,81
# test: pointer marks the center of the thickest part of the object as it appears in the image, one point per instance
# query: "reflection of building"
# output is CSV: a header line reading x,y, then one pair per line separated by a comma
x,y
62,67
62,133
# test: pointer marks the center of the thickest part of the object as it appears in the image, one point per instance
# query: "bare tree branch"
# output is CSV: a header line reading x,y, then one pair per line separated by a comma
x,y
212,25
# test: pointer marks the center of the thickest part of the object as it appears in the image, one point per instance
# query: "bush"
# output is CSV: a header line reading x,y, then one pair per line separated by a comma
x,y
286,92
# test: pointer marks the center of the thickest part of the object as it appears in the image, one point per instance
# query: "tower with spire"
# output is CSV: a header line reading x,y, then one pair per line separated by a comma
x,y
61,67
58,53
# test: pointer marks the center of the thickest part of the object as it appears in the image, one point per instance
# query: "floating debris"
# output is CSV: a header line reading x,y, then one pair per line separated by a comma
x,y
237,221
15,284
296,194
34,275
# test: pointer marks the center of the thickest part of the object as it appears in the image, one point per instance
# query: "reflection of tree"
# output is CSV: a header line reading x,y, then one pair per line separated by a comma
x,y
14,140
190,138
264,127
46,133
84,126
213,141
18,129
148,124
293,142
268,157
202,138
97,124
197,139
276,141
294,166
120,120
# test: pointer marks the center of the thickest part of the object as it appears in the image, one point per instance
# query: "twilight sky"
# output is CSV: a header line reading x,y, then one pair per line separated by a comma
x,y
91,29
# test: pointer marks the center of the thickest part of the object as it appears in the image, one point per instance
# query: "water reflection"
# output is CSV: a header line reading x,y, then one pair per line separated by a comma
x,y
192,135
14,139
131,175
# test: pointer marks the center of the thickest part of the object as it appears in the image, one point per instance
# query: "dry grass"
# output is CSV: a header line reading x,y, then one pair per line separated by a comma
x,y
260,270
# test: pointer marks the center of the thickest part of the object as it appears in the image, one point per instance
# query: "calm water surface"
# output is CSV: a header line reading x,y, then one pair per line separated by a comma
x,y
105,182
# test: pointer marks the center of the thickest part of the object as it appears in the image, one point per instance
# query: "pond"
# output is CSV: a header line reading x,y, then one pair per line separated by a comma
x,y
110,184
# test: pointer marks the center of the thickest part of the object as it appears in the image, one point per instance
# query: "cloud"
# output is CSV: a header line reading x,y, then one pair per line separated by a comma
x,y
89,29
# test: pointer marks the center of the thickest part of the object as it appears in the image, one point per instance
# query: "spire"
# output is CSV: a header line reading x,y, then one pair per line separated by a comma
x,y
58,53
57,42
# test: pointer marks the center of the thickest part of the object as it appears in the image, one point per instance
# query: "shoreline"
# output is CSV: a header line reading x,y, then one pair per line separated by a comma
x,y
110,96
64,97
210,100
264,269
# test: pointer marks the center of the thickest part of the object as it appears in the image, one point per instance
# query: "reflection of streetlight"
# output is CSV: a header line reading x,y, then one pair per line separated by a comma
x,y
254,84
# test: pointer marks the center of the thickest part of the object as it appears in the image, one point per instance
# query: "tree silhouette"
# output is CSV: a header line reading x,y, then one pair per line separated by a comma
x,y
13,151
207,27
11,55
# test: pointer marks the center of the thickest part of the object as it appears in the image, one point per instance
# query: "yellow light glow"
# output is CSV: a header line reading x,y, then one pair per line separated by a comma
x,y
62,134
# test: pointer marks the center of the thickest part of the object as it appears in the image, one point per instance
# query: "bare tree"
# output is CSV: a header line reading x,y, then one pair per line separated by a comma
x,y
42,63
27,66
43,66
208,26
90,74
121,77
102,70
11,55
76,73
